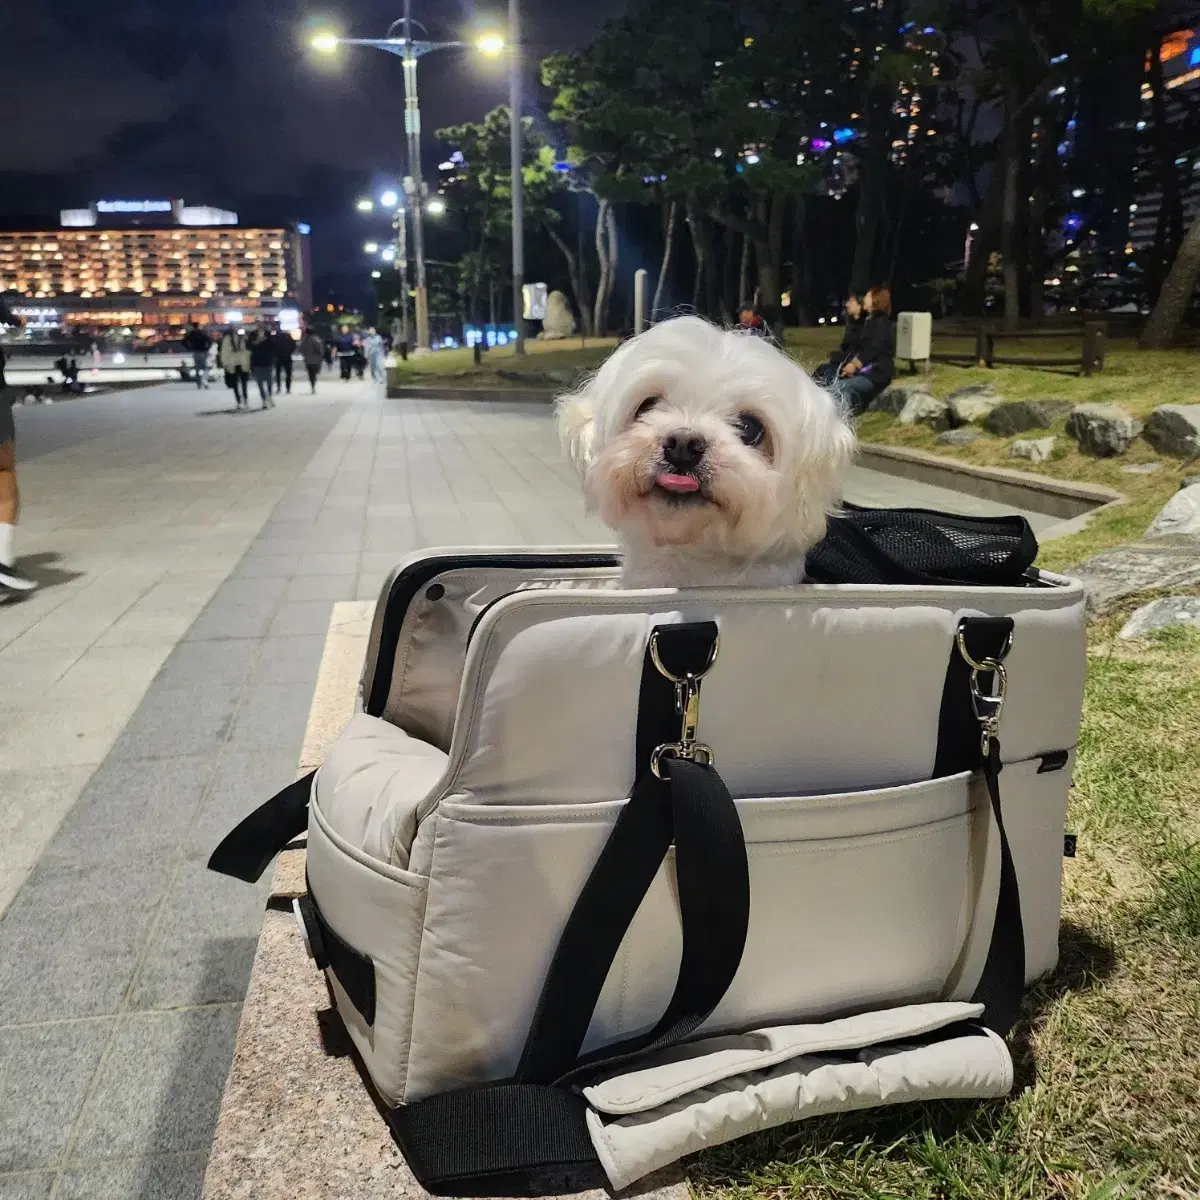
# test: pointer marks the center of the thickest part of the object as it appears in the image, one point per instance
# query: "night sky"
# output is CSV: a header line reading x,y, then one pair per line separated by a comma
x,y
222,103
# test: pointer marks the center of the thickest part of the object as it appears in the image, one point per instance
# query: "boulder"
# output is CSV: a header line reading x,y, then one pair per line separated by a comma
x,y
1020,415
958,437
1179,517
973,403
1034,449
923,409
1170,610
1175,429
1189,481
893,399
1103,429
1124,570
559,321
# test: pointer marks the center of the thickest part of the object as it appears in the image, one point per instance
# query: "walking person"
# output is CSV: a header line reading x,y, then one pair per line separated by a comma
x,y
262,365
12,579
344,345
360,357
197,343
374,350
312,353
285,348
234,359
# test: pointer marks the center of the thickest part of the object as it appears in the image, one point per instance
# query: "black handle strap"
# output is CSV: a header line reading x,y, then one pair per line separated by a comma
x,y
509,1134
247,849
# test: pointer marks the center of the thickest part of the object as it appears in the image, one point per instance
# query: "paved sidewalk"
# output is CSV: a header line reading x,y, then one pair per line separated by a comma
x,y
158,688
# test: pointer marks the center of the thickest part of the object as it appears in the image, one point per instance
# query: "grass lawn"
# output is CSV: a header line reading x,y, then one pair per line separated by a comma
x,y
1107,1098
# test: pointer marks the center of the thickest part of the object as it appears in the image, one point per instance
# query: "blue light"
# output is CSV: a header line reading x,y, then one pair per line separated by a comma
x,y
843,135
1194,57
303,228
1073,221
929,29
562,167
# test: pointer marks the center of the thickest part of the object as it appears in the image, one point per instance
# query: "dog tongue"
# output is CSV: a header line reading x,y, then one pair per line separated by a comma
x,y
678,483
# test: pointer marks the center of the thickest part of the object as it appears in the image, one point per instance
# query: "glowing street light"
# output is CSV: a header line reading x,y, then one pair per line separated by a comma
x,y
490,44
370,247
326,42
366,204
389,199
376,274
436,206
388,254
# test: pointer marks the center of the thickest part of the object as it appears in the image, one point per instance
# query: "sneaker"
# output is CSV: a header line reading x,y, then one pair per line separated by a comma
x,y
14,579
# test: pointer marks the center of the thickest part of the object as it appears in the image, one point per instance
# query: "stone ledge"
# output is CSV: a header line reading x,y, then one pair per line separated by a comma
x,y
1055,497
297,1121
479,395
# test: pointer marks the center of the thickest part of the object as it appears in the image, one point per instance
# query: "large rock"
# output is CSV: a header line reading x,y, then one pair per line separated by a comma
x,y
1034,449
1179,517
1175,429
1020,415
1103,429
1128,569
958,437
892,400
1158,614
923,409
559,321
973,403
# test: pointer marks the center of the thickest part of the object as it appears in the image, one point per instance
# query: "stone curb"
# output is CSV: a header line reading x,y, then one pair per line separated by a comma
x,y
1054,497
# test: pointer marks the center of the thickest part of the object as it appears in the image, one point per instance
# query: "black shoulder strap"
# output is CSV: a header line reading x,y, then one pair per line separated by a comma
x,y
467,1141
247,849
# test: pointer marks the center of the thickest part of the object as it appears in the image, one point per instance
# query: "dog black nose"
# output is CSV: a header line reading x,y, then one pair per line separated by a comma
x,y
683,450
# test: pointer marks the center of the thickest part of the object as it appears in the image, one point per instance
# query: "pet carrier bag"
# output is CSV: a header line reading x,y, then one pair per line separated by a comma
x,y
603,877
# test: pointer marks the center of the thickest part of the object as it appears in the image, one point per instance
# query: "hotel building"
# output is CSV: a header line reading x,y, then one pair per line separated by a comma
x,y
152,267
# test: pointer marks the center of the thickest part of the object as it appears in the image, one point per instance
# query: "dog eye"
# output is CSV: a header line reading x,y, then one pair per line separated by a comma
x,y
645,406
750,429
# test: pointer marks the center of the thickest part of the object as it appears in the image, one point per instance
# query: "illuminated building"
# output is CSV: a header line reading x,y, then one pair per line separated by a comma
x,y
154,266
1180,56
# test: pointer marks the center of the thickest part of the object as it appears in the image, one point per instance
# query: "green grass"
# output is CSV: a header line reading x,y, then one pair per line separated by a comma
x,y
1108,1050
442,366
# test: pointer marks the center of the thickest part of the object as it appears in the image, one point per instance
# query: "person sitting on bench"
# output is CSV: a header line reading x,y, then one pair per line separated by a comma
x,y
871,369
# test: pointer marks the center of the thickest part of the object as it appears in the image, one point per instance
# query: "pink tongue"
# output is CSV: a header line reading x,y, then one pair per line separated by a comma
x,y
678,483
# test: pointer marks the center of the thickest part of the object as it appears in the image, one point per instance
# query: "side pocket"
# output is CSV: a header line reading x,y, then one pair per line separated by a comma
x,y
1034,794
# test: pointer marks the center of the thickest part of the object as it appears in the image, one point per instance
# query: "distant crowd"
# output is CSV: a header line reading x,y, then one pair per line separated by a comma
x,y
265,354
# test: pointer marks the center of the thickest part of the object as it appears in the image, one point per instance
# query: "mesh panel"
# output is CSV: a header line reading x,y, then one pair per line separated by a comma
x,y
913,545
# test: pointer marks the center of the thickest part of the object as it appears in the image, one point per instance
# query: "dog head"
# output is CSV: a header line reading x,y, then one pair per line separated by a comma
x,y
705,439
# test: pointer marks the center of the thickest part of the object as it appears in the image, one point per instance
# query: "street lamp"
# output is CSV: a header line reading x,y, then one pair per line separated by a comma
x,y
410,51
370,247
365,205
436,206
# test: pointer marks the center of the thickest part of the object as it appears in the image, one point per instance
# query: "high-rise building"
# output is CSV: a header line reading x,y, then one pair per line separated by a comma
x,y
153,266
1179,54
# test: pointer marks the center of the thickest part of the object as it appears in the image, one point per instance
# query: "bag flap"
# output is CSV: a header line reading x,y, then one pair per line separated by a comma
x,y
696,1065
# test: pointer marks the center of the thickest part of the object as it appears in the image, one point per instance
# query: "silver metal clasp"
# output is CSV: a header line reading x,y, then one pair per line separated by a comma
x,y
988,706
687,705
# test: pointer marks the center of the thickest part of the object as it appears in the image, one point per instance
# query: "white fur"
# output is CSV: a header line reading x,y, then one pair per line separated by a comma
x,y
769,504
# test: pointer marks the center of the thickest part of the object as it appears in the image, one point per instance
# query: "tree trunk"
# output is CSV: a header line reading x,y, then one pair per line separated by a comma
x,y
1175,295
800,264
729,280
744,275
599,321
665,265
769,257
974,291
1008,216
610,229
871,182
695,224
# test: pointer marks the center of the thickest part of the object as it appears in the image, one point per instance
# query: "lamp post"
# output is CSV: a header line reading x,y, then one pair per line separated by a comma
x,y
518,178
409,51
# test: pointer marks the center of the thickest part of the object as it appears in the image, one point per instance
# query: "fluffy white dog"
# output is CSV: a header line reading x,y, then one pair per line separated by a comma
x,y
713,456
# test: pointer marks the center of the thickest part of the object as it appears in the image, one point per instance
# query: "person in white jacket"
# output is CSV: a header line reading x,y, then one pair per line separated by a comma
x,y
234,359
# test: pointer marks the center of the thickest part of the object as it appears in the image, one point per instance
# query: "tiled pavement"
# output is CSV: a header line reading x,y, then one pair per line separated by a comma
x,y
214,549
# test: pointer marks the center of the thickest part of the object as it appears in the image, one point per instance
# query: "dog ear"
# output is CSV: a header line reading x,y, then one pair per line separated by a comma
x,y
576,428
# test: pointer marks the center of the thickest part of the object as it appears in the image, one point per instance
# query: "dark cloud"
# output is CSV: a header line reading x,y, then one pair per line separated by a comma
x,y
221,102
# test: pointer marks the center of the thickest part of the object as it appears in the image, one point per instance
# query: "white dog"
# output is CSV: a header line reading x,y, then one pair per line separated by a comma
x,y
714,457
